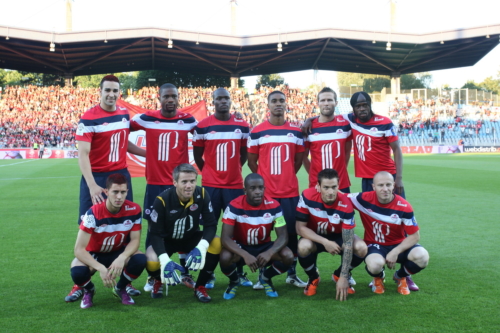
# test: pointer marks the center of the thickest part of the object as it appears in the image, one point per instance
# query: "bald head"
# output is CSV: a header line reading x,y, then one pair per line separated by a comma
x,y
383,175
222,103
383,185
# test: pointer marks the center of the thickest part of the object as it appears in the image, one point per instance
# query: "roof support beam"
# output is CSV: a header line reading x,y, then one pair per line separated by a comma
x,y
365,55
26,55
407,55
282,54
152,52
199,57
106,55
320,53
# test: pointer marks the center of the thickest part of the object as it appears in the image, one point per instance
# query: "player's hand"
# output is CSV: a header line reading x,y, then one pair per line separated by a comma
x,y
195,259
106,278
251,262
169,276
391,259
263,258
116,267
332,247
342,287
307,126
96,194
398,186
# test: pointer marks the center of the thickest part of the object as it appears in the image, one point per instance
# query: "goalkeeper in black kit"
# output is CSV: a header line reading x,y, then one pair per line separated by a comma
x,y
175,227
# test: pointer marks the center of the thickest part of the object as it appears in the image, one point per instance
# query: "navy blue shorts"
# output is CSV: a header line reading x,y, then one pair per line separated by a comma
x,y
289,207
100,179
383,250
152,191
183,245
255,250
337,238
366,185
106,258
221,197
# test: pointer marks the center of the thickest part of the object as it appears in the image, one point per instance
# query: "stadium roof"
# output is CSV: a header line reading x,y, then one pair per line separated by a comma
x,y
112,51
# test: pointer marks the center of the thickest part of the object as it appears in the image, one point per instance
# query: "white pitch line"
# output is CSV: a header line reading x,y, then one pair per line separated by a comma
x,y
17,163
39,178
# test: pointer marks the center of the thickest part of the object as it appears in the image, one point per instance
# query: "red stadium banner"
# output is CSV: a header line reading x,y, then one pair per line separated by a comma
x,y
137,164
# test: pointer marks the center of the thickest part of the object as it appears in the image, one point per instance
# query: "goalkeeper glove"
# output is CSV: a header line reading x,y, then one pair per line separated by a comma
x,y
168,274
196,258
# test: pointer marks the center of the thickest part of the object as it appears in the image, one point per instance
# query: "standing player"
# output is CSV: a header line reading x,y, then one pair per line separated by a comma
x,y
391,232
167,132
275,151
175,226
329,142
108,243
220,151
325,221
246,236
102,137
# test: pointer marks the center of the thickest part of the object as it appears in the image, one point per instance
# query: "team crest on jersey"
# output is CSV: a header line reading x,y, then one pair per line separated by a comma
x,y
340,131
213,132
127,223
316,134
105,124
317,209
414,221
157,121
290,135
373,129
237,130
180,122
336,216
147,211
267,135
267,216
124,120
394,217
244,216
193,207
80,129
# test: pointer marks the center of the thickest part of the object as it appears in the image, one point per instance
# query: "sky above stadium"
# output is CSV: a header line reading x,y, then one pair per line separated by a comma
x,y
264,16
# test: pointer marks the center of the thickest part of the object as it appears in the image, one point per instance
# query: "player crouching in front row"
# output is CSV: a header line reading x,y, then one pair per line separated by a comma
x,y
246,237
391,232
101,245
325,222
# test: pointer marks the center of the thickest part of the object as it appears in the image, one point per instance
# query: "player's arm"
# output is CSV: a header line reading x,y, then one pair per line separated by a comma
x,y
252,162
347,150
279,243
243,155
209,221
347,248
230,245
408,242
116,267
298,161
81,253
198,157
84,163
305,160
157,226
398,159
303,231
307,126
133,149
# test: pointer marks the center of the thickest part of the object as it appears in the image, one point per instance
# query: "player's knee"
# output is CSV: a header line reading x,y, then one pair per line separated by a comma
x,y
80,275
226,258
215,246
375,263
138,260
151,254
360,248
419,256
305,247
286,256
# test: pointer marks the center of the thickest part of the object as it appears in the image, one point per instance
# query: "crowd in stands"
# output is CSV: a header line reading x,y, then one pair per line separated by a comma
x,y
49,115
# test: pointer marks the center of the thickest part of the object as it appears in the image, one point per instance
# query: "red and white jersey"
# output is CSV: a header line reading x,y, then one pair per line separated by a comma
x,y
325,219
253,224
372,152
385,224
276,147
326,144
167,142
222,141
107,133
110,232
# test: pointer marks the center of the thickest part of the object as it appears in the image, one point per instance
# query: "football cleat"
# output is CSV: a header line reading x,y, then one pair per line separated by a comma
x,y
201,294
188,281
157,291
257,286
351,280
411,285
87,300
295,281
211,282
268,287
132,291
231,290
350,290
378,285
310,289
149,284
244,281
123,296
74,294
402,285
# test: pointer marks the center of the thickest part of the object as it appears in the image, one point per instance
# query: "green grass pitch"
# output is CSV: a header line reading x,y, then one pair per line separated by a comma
x,y
455,197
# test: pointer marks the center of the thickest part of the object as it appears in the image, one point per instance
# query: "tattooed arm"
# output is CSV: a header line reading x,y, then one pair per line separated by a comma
x,y
347,248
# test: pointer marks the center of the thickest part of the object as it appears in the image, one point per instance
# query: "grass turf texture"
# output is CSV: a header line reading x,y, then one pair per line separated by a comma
x,y
455,198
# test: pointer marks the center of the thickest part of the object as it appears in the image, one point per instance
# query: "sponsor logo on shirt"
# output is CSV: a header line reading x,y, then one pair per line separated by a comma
x,y
268,202
129,208
373,129
414,221
154,216
173,211
193,207
378,119
341,205
238,120
340,120
401,204
394,217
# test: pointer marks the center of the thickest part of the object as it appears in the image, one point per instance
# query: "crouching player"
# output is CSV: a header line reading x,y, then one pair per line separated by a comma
x,y
387,219
175,227
108,243
325,222
246,236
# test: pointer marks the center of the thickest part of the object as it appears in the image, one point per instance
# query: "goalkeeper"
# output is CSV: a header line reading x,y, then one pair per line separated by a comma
x,y
175,227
